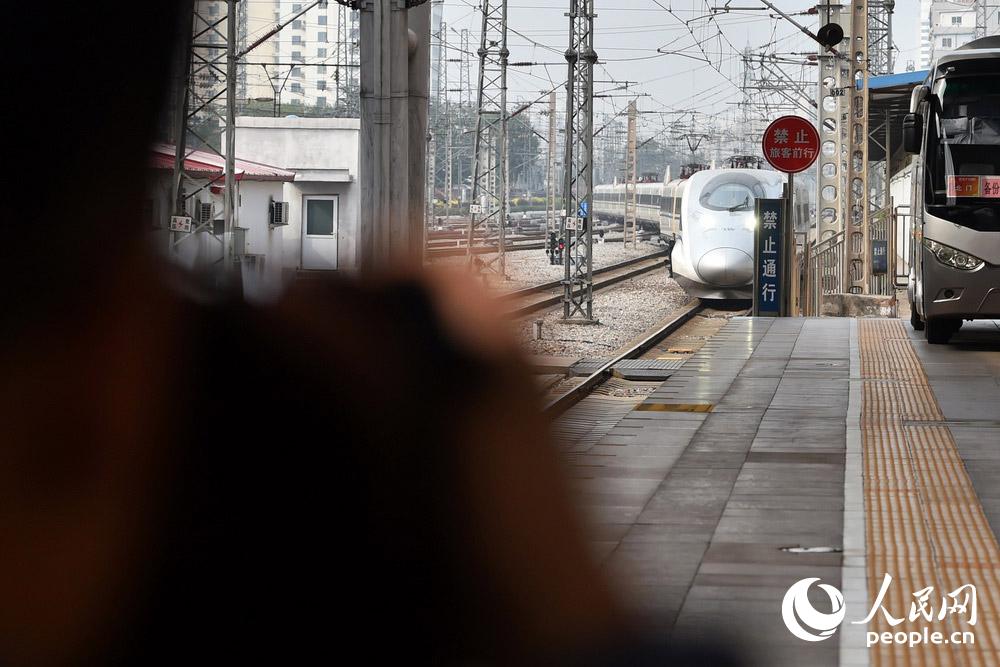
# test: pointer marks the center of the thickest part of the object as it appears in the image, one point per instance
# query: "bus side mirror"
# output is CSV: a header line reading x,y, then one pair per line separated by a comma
x,y
913,132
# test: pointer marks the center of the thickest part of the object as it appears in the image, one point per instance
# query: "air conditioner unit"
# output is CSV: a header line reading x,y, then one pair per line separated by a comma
x,y
203,212
278,214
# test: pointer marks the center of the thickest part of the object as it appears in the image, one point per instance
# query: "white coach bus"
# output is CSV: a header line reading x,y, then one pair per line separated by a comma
x,y
954,129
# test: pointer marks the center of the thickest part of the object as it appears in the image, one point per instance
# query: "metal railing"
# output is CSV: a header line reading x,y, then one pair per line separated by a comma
x,y
822,263
903,246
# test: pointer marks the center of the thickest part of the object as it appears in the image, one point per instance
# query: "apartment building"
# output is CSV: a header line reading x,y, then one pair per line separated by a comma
x,y
307,64
946,25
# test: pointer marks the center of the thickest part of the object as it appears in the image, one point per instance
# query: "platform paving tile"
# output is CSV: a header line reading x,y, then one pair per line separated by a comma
x,y
699,550
711,460
611,471
965,378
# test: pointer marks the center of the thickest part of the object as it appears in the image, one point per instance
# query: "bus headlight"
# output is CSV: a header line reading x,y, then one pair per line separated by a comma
x,y
956,259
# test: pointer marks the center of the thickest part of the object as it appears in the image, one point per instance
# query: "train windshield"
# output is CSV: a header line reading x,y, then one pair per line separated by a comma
x,y
963,146
730,196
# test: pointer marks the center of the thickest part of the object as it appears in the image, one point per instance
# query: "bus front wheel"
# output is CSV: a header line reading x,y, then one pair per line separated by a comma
x,y
940,330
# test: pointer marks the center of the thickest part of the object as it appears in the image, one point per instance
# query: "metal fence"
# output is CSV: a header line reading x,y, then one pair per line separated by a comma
x,y
822,264
902,249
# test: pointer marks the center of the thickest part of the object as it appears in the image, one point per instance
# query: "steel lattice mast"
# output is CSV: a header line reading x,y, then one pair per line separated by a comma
x,y
987,18
209,93
489,206
880,36
578,287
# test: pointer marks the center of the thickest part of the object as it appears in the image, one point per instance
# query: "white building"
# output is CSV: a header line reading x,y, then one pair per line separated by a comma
x,y
946,25
311,56
324,196
268,254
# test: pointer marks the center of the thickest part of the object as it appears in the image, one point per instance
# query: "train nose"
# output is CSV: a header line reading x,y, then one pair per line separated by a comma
x,y
726,267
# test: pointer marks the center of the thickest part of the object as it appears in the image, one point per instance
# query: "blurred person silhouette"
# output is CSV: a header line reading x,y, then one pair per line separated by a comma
x,y
389,492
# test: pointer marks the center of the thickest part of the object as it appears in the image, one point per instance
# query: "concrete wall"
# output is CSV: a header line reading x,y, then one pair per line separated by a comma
x,y
261,280
323,152
199,252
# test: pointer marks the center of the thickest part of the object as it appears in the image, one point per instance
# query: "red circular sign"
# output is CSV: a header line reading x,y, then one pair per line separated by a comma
x,y
791,144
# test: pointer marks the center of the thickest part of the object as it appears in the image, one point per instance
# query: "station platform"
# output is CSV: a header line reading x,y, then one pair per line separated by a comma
x,y
790,449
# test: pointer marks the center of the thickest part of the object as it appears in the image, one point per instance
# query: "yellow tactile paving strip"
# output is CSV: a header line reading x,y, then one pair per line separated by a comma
x,y
925,525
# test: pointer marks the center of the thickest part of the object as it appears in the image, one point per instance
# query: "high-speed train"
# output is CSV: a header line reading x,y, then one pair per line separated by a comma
x,y
711,217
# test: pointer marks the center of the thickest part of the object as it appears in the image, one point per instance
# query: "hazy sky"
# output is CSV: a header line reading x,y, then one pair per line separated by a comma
x,y
628,33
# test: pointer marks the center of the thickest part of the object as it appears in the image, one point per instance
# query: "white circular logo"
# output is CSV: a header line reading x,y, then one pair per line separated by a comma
x,y
797,611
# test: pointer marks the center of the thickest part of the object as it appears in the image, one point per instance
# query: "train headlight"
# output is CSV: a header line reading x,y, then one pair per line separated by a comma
x,y
956,259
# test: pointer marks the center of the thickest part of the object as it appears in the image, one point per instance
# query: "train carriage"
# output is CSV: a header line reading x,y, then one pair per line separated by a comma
x,y
710,217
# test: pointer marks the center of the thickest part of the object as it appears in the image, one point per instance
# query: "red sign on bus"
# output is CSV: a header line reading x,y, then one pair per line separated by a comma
x,y
791,144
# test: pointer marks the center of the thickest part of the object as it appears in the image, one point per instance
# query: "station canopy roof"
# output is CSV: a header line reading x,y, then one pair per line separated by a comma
x,y
889,99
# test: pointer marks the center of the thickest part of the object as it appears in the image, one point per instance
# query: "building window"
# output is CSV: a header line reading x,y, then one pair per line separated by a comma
x,y
296,8
321,36
297,39
321,85
296,87
298,25
321,69
321,101
297,57
297,72
321,53
946,42
213,10
322,19
956,20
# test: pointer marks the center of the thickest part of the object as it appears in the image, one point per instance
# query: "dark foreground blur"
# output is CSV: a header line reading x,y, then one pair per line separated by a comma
x,y
387,488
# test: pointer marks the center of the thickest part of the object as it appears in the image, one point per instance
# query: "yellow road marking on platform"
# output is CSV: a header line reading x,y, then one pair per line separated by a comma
x,y
924,523
675,407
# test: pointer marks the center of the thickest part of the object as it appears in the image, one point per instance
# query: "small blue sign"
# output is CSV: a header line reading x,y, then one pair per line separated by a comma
x,y
583,210
768,255
880,257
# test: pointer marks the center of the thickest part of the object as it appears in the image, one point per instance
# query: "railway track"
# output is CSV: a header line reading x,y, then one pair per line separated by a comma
x,y
538,297
445,247
567,400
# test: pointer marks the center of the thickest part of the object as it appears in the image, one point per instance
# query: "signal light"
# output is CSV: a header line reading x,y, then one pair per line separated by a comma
x,y
830,35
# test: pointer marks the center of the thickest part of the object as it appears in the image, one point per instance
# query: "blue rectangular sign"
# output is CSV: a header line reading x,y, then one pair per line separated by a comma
x,y
880,257
768,256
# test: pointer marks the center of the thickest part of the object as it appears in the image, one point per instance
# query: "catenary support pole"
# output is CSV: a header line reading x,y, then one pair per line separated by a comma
x,y
395,72
577,227
232,253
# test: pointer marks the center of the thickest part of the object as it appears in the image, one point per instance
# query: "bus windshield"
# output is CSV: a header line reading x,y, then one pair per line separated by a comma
x,y
963,145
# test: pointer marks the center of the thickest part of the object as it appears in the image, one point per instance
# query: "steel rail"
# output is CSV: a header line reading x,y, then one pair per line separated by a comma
x,y
559,405
648,264
440,249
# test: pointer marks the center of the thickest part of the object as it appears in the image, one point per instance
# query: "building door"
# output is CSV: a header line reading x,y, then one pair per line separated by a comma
x,y
319,232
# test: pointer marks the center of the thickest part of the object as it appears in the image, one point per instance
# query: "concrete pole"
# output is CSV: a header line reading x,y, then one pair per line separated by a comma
x,y
551,218
395,73
419,41
629,228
